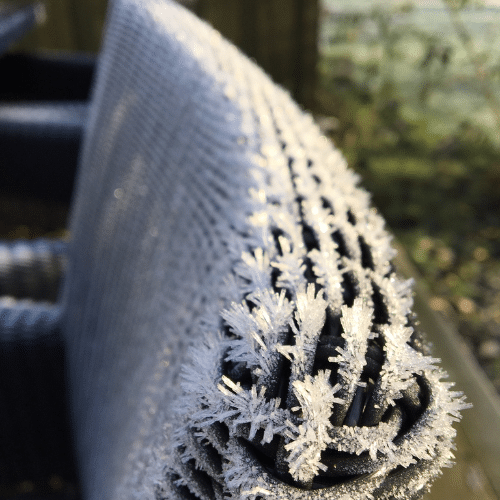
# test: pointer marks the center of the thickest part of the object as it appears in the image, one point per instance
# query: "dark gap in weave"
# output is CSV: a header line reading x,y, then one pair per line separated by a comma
x,y
310,276
348,288
202,476
339,241
299,198
316,179
262,453
251,305
366,254
275,274
337,236
388,415
283,145
310,163
414,409
182,490
276,232
396,471
370,373
238,372
380,313
376,346
330,339
332,325
268,449
226,330
181,449
212,455
411,401
351,218
309,237
375,356
327,205
286,372
310,240
221,430
355,410
373,366
327,348
370,389
375,353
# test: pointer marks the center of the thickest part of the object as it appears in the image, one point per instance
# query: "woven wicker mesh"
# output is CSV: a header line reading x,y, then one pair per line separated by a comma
x,y
209,206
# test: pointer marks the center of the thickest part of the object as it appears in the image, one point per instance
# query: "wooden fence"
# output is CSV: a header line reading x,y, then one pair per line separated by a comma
x,y
281,35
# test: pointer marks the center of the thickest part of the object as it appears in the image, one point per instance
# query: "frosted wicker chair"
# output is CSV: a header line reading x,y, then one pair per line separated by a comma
x,y
232,323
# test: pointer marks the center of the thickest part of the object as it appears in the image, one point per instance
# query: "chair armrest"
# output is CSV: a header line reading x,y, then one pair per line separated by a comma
x,y
32,269
35,438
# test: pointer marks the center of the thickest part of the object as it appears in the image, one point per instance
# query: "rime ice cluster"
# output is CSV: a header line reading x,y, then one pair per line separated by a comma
x,y
314,383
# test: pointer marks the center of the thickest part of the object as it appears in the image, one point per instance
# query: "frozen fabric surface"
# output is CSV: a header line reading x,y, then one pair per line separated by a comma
x,y
211,213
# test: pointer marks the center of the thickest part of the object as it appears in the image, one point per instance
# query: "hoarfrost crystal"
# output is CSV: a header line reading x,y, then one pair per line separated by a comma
x,y
313,383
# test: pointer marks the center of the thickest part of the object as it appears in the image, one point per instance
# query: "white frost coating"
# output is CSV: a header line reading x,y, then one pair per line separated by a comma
x,y
398,294
372,439
356,321
254,269
260,332
310,317
253,409
401,363
316,397
303,230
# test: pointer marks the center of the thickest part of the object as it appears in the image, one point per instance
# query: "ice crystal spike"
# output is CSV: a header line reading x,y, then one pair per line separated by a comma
x,y
315,383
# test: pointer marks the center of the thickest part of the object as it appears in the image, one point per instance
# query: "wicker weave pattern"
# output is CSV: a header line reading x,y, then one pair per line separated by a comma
x,y
35,436
206,193
32,269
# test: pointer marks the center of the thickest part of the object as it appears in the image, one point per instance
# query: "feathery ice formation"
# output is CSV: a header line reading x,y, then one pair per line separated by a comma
x,y
314,382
